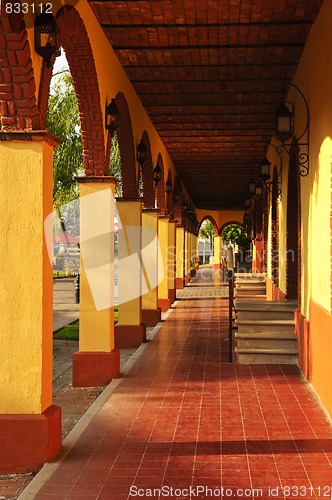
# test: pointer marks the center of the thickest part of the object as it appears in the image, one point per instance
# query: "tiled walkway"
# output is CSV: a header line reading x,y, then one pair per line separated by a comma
x,y
185,420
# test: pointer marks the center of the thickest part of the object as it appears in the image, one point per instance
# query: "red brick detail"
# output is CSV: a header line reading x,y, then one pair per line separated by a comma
x,y
164,304
179,283
128,336
95,369
214,224
147,176
160,190
127,149
293,226
177,190
28,441
18,105
151,317
172,295
76,43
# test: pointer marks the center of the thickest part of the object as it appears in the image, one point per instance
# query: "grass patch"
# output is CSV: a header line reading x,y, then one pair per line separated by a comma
x,y
71,332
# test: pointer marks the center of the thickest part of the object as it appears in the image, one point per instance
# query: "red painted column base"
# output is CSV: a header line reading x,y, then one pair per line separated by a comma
x,y
128,336
95,369
151,317
172,295
179,283
28,441
164,304
186,279
216,267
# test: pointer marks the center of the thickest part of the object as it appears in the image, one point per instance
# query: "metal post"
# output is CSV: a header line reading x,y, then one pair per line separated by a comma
x,y
77,289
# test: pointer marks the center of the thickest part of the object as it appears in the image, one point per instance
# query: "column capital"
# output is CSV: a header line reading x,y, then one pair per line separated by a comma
x,y
150,210
121,199
30,136
106,179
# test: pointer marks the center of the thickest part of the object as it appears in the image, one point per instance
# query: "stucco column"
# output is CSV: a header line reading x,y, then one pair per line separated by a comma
x,y
180,248
163,234
97,361
217,252
171,261
151,313
187,252
130,331
30,426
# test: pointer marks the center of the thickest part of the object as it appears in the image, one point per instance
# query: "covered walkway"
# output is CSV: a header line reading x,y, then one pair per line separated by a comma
x,y
182,417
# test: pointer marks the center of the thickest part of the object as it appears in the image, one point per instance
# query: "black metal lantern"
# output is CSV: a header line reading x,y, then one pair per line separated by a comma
x,y
141,153
284,123
46,36
259,189
251,187
168,186
157,174
112,117
265,169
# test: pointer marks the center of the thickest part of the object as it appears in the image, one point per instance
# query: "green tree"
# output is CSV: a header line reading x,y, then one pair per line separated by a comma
x,y
114,167
63,120
234,233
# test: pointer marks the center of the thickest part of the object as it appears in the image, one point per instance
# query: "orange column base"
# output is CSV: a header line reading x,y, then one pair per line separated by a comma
x,y
186,279
95,369
128,336
164,304
172,295
151,317
216,267
179,283
28,441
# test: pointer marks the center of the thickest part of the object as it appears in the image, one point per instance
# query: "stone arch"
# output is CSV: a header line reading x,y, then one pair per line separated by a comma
x,y
160,191
293,235
18,106
76,43
127,149
147,174
213,222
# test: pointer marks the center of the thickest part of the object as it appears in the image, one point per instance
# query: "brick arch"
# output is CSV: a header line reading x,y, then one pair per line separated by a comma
x,y
170,200
228,224
213,222
76,43
18,106
160,191
177,191
127,149
147,174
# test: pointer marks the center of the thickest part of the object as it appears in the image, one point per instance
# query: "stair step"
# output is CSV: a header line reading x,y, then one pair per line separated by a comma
x,y
239,295
248,350
248,325
265,314
247,356
266,335
247,305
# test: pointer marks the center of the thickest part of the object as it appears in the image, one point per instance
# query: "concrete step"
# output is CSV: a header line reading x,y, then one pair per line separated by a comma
x,y
266,343
260,276
265,314
245,356
249,290
265,304
250,284
264,325
247,296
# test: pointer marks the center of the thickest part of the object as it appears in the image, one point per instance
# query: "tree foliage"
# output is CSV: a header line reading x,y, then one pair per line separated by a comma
x,y
206,230
63,120
114,167
234,233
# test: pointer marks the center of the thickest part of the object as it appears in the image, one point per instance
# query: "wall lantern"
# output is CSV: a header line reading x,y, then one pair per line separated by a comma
x,y
259,189
284,122
264,173
157,174
251,188
168,186
46,36
285,130
141,153
112,117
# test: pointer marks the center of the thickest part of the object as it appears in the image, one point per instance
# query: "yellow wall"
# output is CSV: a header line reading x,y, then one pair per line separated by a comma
x,y
150,258
163,236
179,251
26,285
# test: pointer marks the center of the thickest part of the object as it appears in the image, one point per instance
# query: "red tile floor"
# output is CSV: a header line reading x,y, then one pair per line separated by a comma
x,y
184,423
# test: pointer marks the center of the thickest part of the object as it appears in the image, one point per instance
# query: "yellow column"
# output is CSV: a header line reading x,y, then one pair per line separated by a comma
x,y
151,313
171,259
180,245
217,252
30,426
163,231
97,360
187,257
130,331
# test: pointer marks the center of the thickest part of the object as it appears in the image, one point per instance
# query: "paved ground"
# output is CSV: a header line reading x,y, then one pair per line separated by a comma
x,y
73,401
181,417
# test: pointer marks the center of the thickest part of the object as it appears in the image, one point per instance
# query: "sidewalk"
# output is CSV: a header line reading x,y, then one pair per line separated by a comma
x,y
183,419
